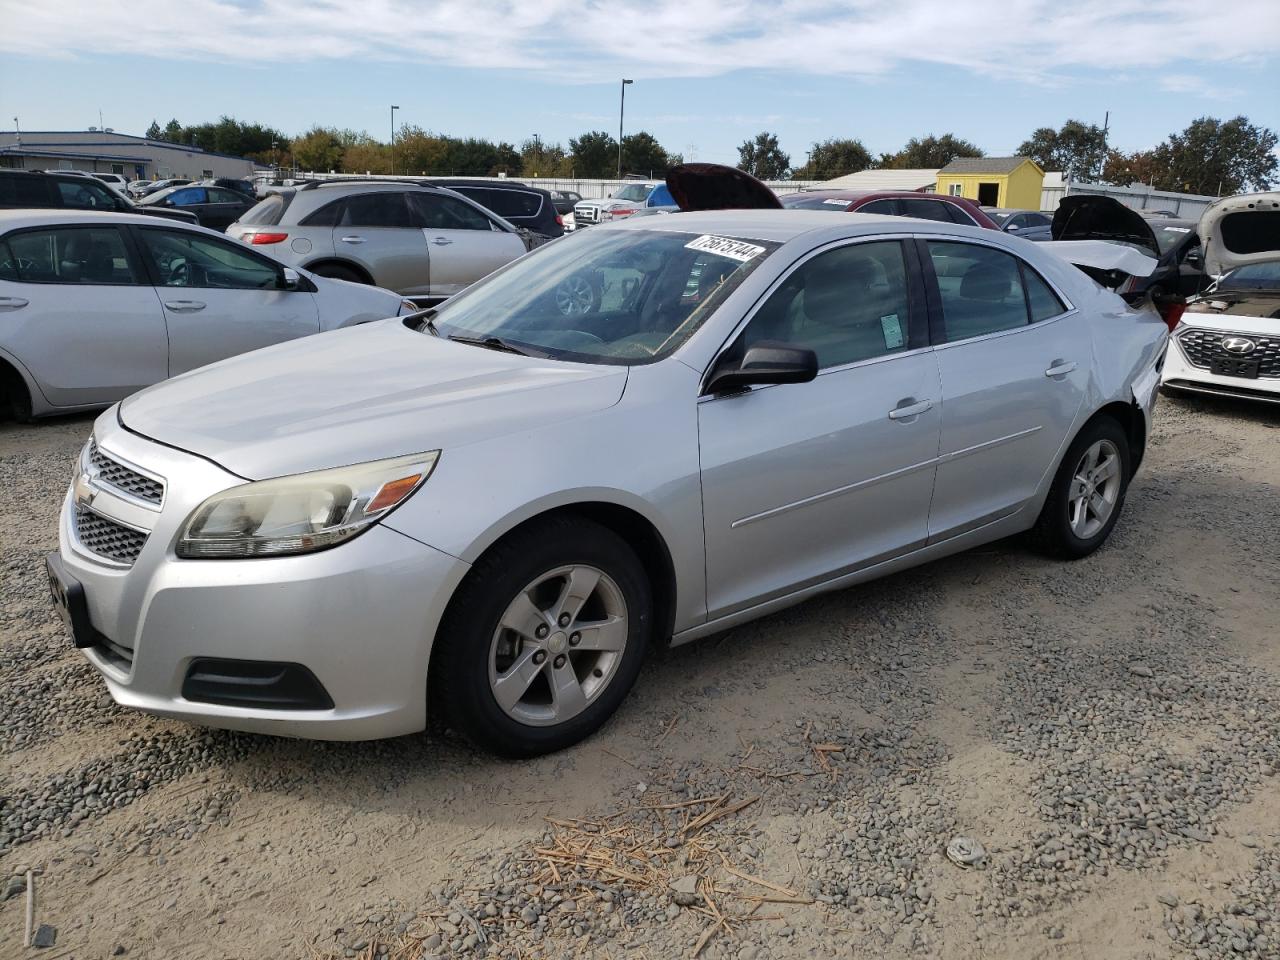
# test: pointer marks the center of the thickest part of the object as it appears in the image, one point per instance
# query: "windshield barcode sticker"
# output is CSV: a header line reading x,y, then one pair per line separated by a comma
x,y
725,247
837,202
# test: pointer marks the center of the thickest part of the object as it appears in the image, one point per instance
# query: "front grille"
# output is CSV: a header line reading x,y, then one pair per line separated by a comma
x,y
586,214
117,475
1202,347
106,538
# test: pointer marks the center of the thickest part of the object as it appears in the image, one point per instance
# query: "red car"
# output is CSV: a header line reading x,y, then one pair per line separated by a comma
x,y
898,203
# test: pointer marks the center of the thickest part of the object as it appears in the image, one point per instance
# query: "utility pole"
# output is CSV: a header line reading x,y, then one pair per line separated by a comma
x,y
622,107
394,108
1102,160
17,129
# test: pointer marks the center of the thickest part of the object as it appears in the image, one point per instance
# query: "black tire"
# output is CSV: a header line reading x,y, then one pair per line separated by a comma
x,y
15,401
1052,533
460,692
336,271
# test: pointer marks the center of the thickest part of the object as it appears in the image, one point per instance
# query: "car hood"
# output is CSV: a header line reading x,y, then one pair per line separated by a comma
x,y
1111,264
369,392
1240,230
712,186
1085,216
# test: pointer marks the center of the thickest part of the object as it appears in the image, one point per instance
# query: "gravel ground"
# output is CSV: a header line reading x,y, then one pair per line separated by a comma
x,y
1107,731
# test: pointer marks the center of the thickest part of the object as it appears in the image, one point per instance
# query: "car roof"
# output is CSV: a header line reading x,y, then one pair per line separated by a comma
x,y
780,226
15,219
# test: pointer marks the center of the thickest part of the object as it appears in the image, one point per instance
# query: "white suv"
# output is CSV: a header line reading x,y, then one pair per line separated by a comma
x,y
623,202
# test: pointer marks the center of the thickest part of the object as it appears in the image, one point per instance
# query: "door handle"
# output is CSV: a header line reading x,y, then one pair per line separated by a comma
x,y
442,241
184,306
352,239
910,407
12,303
1060,368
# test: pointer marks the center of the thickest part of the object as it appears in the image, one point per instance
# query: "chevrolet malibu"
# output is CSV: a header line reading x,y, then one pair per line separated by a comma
x,y
489,512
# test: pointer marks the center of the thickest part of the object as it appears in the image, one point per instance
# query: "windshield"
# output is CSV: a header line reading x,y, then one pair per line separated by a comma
x,y
619,297
1252,276
816,201
1169,236
998,216
635,192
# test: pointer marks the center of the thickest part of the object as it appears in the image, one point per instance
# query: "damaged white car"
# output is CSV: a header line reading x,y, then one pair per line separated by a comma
x,y
1228,343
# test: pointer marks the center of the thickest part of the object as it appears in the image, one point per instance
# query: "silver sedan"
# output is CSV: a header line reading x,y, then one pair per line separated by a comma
x,y
491,511
94,306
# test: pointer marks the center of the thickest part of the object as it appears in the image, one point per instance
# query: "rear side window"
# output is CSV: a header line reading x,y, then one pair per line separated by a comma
x,y
267,212
1041,300
981,289
326,216
24,191
222,195
505,203
80,255
376,210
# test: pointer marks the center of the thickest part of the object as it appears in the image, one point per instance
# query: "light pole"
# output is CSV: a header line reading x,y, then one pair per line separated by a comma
x,y
537,154
394,108
622,107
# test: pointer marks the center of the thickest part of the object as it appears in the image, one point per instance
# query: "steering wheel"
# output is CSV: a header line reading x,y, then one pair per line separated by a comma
x,y
585,333
180,274
576,296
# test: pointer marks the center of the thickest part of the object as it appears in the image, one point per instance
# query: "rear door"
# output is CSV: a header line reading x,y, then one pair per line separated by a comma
x,y
219,298
223,208
76,310
378,231
465,244
1014,360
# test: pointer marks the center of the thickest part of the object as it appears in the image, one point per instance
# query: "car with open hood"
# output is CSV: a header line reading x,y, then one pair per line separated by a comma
x,y
493,510
1228,341
1177,273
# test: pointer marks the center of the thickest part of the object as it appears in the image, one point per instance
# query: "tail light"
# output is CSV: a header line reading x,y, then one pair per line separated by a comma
x,y
1171,312
559,220
260,238
621,212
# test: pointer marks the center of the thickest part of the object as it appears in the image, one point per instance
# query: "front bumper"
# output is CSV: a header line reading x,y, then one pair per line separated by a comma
x,y
360,617
1180,374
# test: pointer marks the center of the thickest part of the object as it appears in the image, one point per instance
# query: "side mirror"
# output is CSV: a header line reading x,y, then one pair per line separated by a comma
x,y
766,361
290,279
166,202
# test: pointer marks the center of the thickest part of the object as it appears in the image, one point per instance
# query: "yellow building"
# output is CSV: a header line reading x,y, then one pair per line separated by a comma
x,y
1013,182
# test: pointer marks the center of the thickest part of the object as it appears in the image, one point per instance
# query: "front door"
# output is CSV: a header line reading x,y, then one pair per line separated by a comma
x,y
803,482
220,299
465,244
77,311
1015,364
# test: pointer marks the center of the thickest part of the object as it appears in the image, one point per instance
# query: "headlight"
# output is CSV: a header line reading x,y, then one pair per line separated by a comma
x,y
302,513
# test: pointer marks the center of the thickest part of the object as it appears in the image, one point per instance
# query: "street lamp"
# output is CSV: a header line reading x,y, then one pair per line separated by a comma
x,y
394,108
622,106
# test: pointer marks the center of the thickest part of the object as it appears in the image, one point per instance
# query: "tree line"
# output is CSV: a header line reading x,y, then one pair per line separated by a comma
x,y
1210,156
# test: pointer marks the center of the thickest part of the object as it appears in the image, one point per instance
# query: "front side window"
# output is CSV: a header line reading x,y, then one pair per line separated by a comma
x,y
845,305
982,290
79,255
89,195
183,259
439,212
384,209
628,297
188,197
885,207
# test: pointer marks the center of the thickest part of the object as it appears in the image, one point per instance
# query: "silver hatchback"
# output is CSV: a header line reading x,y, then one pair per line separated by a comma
x,y
417,240
493,510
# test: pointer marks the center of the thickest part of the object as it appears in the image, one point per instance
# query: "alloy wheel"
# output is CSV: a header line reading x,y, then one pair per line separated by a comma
x,y
1095,489
558,645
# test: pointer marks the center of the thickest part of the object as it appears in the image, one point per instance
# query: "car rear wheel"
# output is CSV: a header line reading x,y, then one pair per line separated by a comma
x,y
1088,492
336,271
544,638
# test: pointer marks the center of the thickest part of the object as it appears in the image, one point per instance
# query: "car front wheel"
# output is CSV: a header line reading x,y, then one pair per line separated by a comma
x,y
544,638
1088,492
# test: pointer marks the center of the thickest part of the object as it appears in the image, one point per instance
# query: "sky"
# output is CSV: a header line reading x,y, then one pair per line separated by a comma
x,y
708,74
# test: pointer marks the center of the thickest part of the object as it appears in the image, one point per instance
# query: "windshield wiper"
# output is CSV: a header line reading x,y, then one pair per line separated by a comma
x,y
491,343
427,322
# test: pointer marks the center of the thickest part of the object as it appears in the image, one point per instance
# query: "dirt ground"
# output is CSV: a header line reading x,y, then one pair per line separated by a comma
x,y
1107,729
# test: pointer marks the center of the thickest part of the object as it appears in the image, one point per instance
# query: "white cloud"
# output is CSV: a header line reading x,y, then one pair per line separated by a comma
x,y
1037,41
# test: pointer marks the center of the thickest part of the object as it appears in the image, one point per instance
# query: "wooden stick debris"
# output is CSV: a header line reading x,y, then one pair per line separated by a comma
x,y
31,909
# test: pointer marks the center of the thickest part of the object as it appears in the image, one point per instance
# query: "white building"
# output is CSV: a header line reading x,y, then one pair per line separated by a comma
x,y
105,151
